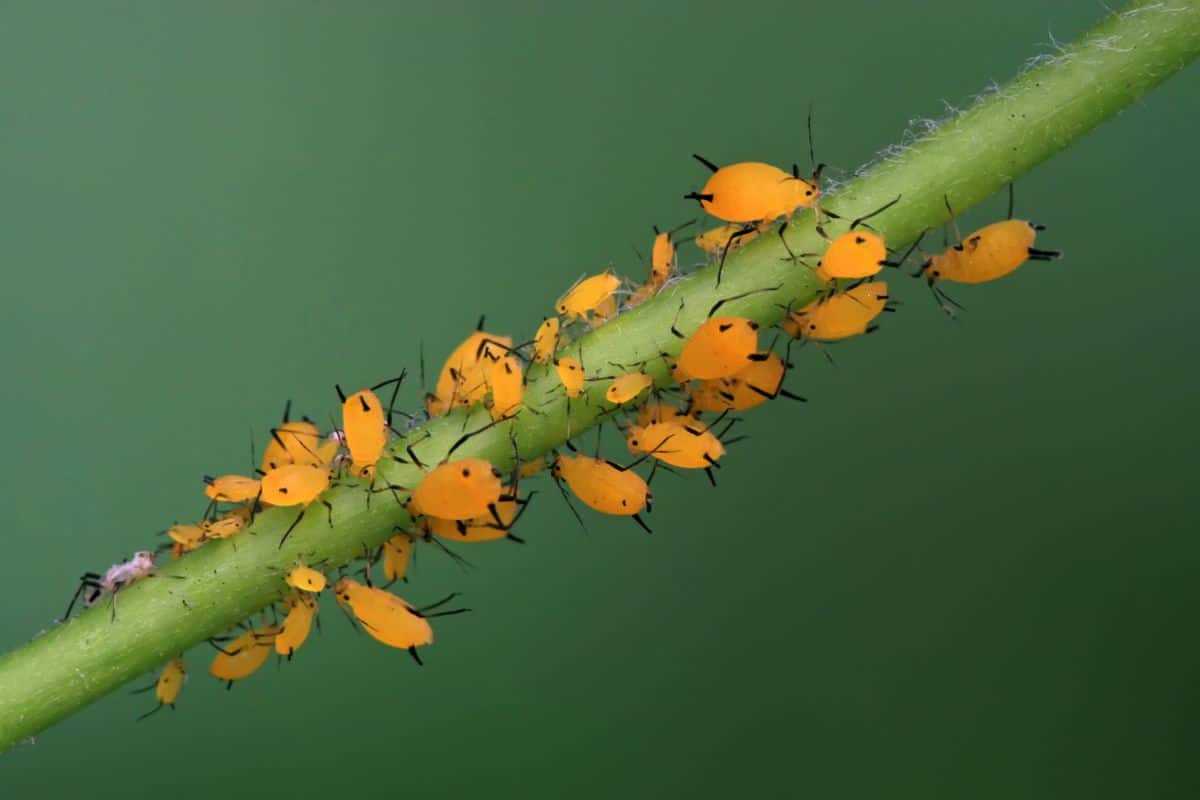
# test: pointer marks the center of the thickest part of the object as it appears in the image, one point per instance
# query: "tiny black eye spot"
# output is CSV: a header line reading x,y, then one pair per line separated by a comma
x,y
466,472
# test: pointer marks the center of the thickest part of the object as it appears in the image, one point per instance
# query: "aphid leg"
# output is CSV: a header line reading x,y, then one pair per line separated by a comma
x,y
638,519
723,301
89,580
412,651
744,231
291,527
907,253
329,509
150,713
711,478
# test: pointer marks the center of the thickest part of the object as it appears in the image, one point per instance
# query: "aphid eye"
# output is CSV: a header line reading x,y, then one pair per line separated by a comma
x,y
466,472
936,273
808,193
859,240
495,472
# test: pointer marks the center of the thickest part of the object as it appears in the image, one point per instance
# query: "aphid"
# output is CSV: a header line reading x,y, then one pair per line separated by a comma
x,y
365,426
685,444
604,312
460,489
388,618
662,254
167,687
295,442
222,528
483,528
839,315
306,579
640,295
757,383
751,191
296,485
657,411
297,624
570,372
188,537
461,381
507,385
628,386
587,295
607,487
719,348
546,341
856,253
231,488
92,585
531,468
727,238
397,553
989,253
242,657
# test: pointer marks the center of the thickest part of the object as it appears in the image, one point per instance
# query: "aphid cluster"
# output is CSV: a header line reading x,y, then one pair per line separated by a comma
x,y
721,369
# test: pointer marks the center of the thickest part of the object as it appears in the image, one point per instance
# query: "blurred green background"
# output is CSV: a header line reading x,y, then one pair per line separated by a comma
x,y
966,568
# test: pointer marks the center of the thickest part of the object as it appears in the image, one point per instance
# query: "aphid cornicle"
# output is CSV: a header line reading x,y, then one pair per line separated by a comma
x,y
244,656
607,487
167,687
297,624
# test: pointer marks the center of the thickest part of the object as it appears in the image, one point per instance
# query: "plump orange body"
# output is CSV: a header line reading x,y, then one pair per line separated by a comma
x,y
587,295
602,486
301,610
294,484
987,254
570,372
719,348
628,386
245,655
385,616
459,489
856,254
752,191
680,442
840,315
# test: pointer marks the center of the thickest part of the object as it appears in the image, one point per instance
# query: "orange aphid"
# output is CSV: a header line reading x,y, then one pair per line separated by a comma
x,y
301,609
856,253
461,381
242,657
223,528
484,528
839,315
727,237
460,489
231,488
507,386
757,383
604,312
293,442
294,484
547,340
587,295
657,411
987,254
306,579
570,372
168,686
685,444
719,348
189,537
628,386
364,426
397,553
385,616
752,191
603,485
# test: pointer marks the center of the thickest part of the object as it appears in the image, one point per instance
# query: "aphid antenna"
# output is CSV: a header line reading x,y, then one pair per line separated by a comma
x,y
912,247
741,296
874,213
745,230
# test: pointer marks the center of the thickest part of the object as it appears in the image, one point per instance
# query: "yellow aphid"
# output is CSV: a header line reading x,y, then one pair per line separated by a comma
x,y
301,610
188,536
604,312
686,444
231,488
168,686
244,656
587,295
306,579
507,386
657,411
385,616
715,241
839,315
223,528
293,442
546,341
570,372
483,528
397,552
628,386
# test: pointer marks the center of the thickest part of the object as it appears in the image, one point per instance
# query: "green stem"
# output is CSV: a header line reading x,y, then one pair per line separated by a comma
x,y
968,158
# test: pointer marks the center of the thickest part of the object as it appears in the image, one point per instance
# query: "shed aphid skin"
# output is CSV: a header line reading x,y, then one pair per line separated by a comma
x,y
297,624
389,619
625,388
721,346
92,584
244,656
296,485
587,295
986,255
840,315
167,687
547,340
305,579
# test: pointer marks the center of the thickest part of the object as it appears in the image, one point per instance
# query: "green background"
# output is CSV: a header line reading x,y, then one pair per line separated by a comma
x,y
965,568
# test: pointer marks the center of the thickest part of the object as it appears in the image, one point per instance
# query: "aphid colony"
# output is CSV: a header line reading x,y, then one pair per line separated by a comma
x,y
721,368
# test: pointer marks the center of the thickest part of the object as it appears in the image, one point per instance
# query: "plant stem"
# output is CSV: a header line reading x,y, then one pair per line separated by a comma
x,y
967,158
